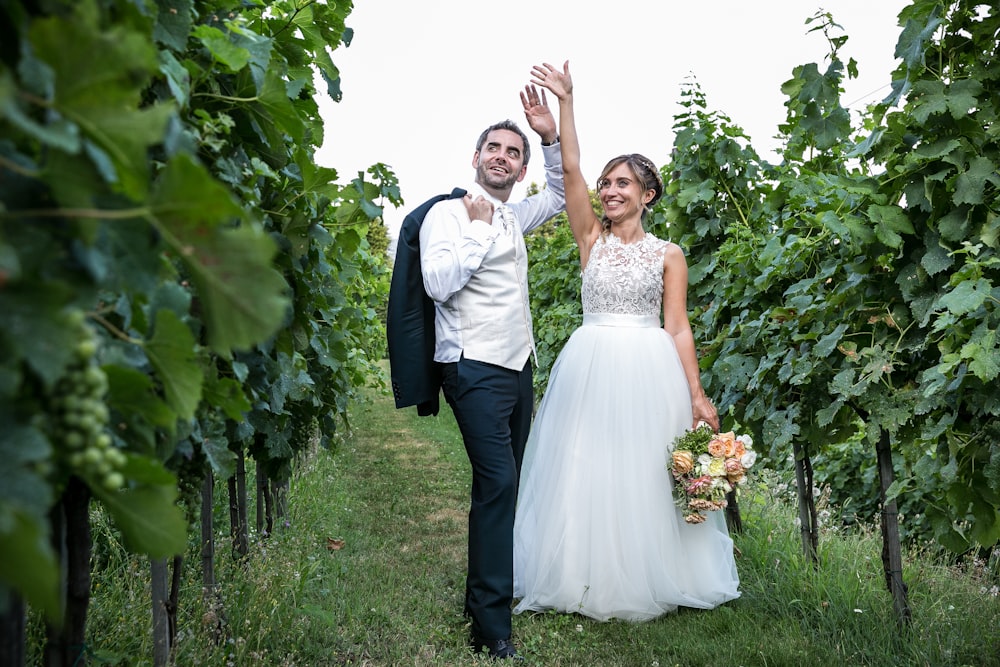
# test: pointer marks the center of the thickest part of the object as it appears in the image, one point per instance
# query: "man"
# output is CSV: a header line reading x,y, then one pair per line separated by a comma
x,y
473,263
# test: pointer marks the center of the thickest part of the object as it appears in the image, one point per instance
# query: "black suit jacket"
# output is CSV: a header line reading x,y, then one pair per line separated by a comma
x,y
415,376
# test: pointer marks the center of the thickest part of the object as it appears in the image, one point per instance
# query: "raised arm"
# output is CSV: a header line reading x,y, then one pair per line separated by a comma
x,y
550,200
583,221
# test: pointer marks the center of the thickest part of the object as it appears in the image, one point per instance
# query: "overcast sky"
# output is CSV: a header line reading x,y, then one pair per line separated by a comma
x,y
421,80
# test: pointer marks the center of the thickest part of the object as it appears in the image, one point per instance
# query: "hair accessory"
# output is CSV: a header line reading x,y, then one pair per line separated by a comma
x,y
645,162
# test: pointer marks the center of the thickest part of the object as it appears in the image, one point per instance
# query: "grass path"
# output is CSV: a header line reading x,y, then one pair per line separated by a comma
x,y
401,486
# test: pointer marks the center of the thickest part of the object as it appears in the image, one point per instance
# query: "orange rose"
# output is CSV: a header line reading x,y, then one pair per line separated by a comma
x,y
683,462
729,438
722,444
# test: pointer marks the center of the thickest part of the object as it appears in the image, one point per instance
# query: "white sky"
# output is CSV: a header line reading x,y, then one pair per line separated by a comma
x,y
421,80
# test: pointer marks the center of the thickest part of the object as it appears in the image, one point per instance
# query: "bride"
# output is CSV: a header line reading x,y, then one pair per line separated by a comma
x,y
596,530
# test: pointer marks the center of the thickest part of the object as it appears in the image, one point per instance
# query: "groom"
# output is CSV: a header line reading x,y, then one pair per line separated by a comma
x,y
473,263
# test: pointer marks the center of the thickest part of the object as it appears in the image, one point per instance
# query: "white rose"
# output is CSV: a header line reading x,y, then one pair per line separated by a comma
x,y
703,462
746,440
748,459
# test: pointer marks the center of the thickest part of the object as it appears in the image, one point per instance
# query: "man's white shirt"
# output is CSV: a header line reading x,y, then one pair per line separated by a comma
x,y
476,272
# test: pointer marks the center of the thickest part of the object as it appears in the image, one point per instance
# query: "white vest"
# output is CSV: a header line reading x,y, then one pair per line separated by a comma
x,y
493,306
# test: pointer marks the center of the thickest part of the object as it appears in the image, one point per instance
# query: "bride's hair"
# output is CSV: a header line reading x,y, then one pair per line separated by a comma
x,y
646,174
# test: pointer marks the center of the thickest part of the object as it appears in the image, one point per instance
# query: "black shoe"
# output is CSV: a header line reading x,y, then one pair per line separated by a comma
x,y
498,649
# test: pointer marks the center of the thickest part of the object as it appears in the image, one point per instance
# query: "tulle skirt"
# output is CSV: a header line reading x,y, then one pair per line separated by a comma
x,y
596,530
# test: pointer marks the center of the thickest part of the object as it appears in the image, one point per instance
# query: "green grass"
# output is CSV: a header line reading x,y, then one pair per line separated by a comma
x,y
396,493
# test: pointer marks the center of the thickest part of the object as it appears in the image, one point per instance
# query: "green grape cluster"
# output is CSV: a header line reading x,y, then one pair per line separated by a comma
x,y
79,415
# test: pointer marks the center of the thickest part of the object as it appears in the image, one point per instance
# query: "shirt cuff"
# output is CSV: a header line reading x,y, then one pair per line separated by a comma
x,y
552,153
481,232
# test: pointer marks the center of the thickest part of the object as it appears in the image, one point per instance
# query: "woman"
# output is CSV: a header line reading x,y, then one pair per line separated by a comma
x,y
596,530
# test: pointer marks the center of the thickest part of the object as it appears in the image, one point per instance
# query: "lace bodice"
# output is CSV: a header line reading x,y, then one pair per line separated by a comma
x,y
624,278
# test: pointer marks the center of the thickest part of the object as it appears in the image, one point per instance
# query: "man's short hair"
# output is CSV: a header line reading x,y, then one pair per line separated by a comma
x,y
505,125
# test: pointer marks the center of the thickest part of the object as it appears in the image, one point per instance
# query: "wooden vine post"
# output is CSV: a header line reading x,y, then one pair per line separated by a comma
x,y
892,558
808,520
161,625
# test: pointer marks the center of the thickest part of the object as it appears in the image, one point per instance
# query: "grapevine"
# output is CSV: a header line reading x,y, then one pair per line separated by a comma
x,y
161,162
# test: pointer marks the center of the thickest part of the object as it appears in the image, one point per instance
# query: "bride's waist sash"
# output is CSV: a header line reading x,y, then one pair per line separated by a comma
x,y
620,320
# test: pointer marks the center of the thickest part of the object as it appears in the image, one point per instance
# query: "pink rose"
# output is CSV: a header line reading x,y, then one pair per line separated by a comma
x,y
716,448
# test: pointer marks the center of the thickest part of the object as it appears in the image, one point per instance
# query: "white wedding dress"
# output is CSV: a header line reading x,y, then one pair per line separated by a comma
x,y
596,530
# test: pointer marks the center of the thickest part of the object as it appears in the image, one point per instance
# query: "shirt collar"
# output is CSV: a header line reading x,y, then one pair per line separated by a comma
x,y
476,189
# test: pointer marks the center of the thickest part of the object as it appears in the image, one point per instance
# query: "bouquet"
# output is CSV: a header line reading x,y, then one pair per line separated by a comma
x,y
706,466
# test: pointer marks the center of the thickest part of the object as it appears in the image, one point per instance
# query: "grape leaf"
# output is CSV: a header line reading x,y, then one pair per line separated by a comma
x,y
967,296
971,184
244,298
173,22
99,80
132,393
222,48
149,518
28,563
171,352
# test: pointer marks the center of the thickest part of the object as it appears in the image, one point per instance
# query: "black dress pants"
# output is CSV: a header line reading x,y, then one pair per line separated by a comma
x,y
492,406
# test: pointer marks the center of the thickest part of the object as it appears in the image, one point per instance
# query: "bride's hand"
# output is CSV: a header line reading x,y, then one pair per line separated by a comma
x,y
547,76
703,411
